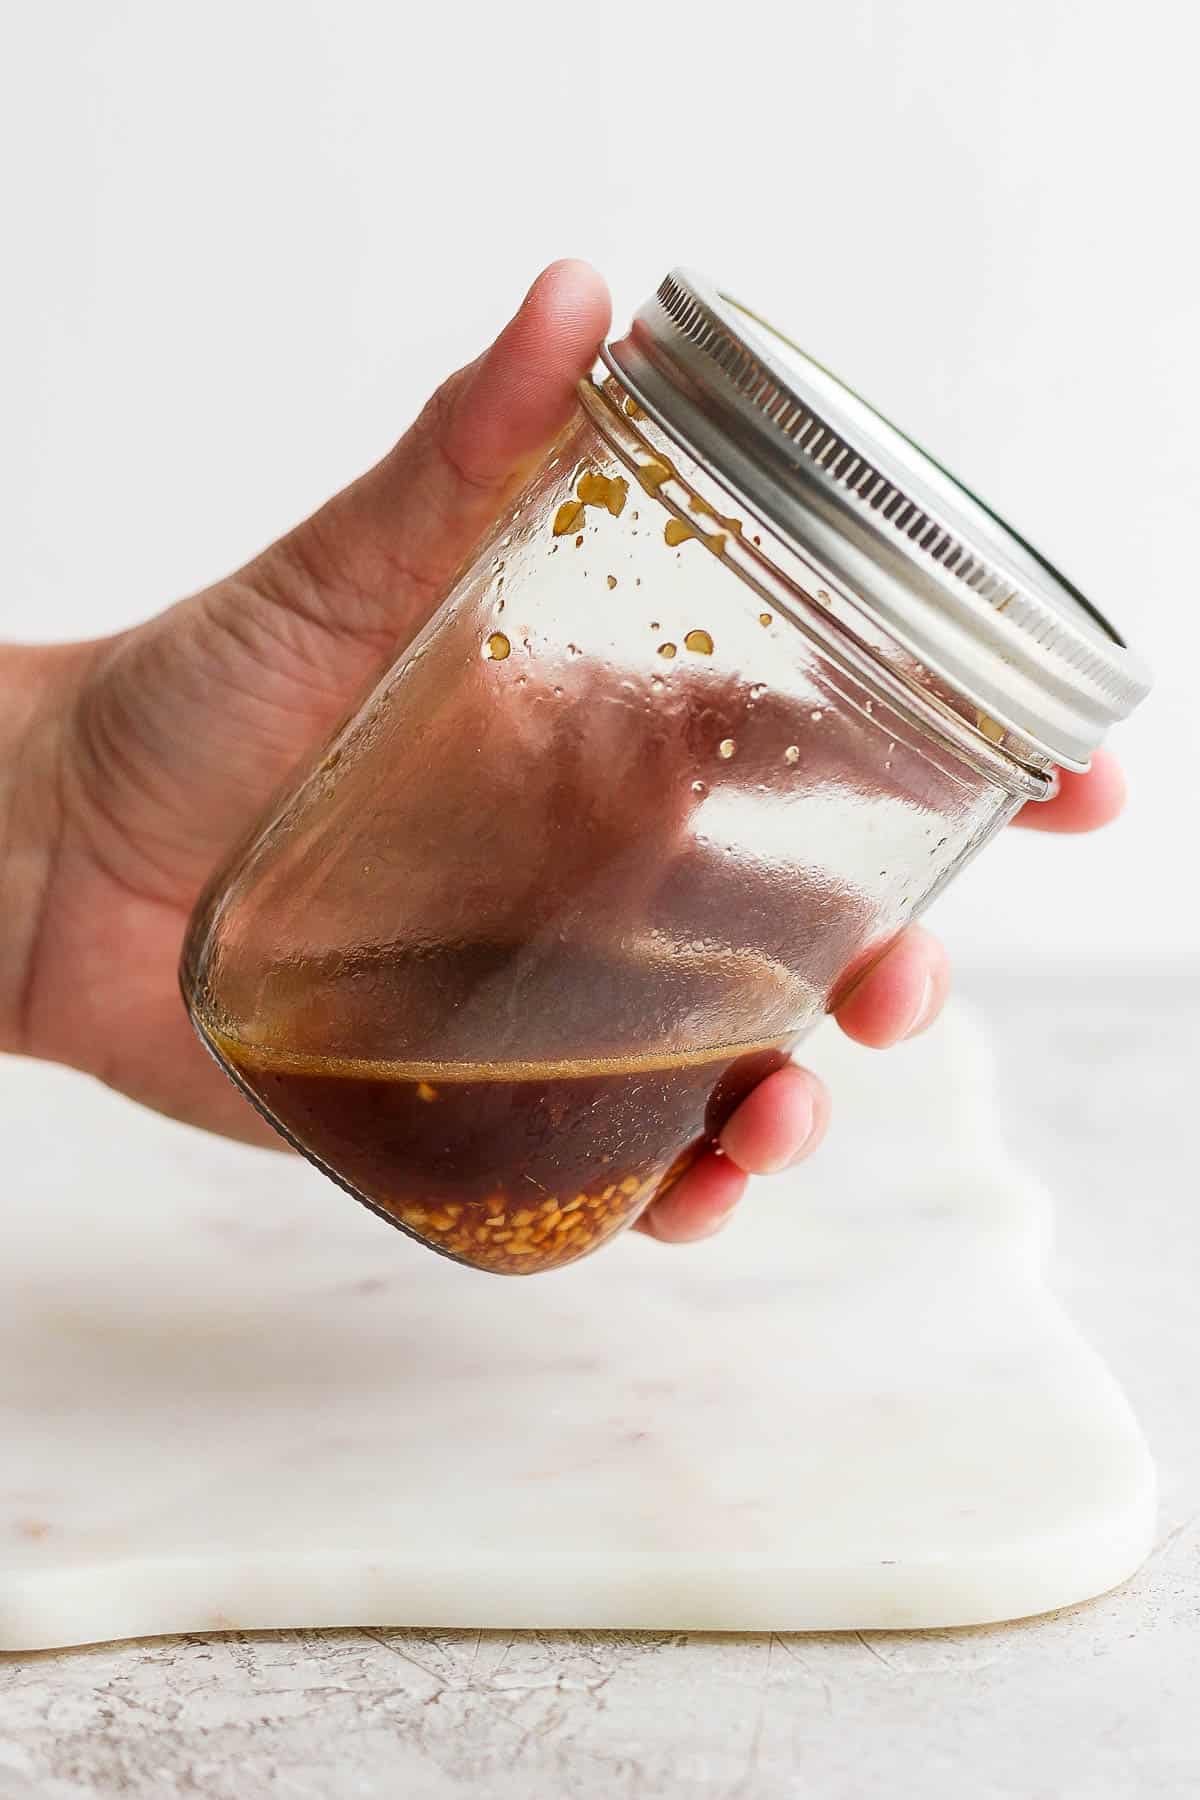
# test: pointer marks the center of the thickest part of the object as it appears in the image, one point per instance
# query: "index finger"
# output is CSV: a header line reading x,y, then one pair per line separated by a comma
x,y
1083,802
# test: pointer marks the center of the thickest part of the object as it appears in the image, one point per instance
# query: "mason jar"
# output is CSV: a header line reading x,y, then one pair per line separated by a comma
x,y
737,685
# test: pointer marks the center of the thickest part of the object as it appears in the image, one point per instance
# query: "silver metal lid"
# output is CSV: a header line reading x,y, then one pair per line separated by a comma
x,y
942,574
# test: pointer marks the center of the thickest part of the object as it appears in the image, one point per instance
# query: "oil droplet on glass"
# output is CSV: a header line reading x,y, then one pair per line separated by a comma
x,y
700,642
698,787
608,491
498,647
678,531
764,618
666,649
992,730
500,605
426,1092
652,473
655,625
726,748
579,540
567,517
792,754
611,580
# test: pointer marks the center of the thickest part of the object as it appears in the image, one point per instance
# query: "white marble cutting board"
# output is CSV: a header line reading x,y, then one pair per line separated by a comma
x,y
231,1398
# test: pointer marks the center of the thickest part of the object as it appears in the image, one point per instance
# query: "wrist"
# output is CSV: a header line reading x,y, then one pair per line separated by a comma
x,y
34,705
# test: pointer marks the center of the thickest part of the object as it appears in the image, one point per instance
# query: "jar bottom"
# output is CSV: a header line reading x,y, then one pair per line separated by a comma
x,y
514,1169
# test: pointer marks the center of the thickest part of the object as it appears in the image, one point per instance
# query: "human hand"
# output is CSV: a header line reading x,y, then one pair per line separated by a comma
x,y
129,766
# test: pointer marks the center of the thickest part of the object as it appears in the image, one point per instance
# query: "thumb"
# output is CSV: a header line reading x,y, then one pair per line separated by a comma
x,y
184,728
374,559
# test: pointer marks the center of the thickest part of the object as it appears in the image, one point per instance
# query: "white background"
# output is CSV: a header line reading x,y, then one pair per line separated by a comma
x,y
243,241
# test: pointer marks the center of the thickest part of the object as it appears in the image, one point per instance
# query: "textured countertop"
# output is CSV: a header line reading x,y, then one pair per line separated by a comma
x,y
1100,1088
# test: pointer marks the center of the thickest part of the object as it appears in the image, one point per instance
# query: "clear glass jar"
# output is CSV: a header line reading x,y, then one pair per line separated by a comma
x,y
651,789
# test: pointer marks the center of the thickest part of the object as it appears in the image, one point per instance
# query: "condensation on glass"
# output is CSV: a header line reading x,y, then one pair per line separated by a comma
x,y
603,845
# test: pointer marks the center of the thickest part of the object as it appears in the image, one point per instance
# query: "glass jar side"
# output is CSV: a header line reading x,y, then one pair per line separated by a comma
x,y
599,848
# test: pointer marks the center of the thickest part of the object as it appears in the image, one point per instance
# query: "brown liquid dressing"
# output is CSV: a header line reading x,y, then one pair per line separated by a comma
x,y
514,1167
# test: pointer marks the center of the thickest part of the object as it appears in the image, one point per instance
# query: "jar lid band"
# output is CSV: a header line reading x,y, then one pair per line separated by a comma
x,y
875,515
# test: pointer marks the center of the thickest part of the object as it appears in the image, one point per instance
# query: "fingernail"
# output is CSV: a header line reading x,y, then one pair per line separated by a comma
x,y
924,1009
718,1222
773,1165
801,1150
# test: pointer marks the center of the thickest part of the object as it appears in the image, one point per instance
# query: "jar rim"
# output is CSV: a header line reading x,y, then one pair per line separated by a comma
x,y
878,518
1005,758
